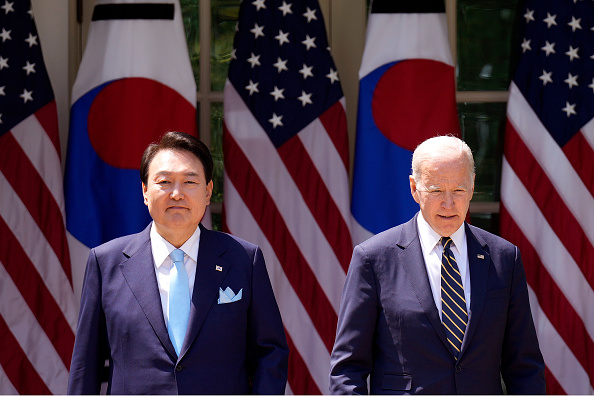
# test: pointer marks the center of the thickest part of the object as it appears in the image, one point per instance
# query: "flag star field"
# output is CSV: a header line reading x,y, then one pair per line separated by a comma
x,y
291,79
560,90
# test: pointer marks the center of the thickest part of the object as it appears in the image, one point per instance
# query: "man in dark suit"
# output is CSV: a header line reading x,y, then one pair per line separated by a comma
x,y
435,305
202,320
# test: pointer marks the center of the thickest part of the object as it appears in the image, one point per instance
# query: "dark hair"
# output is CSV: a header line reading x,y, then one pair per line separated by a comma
x,y
177,141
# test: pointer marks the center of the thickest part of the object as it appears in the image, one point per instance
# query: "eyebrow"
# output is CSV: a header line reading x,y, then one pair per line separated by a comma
x,y
437,187
167,173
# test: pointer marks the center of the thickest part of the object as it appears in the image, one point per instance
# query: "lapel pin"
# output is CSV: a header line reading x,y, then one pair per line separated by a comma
x,y
219,268
480,256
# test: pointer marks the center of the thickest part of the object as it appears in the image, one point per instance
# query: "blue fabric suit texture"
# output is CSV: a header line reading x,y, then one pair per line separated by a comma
x,y
236,348
389,327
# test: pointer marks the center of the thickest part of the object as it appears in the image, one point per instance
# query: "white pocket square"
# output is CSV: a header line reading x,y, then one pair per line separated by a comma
x,y
227,296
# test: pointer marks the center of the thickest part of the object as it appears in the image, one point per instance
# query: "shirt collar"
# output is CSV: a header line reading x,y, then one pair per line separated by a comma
x,y
429,238
162,248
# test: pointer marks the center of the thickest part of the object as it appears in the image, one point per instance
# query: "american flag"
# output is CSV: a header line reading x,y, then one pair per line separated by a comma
x,y
547,190
286,172
37,307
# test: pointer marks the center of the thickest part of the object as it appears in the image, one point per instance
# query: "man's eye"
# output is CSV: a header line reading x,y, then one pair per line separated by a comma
x,y
163,182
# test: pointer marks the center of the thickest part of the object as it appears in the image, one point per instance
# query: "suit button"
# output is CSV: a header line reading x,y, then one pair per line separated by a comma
x,y
458,369
178,367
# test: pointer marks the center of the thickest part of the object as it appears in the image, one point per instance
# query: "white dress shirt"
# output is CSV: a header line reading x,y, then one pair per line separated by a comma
x,y
163,263
432,252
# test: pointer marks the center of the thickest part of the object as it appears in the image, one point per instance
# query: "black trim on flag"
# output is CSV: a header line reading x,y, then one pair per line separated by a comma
x,y
104,12
407,6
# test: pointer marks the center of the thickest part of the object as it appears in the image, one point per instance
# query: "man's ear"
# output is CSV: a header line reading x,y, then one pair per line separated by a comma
x,y
209,188
144,188
413,188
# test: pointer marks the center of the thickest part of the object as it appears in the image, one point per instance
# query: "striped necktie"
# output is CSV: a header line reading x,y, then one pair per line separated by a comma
x,y
179,300
453,304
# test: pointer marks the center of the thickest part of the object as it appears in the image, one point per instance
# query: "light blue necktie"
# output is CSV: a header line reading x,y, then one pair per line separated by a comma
x,y
179,300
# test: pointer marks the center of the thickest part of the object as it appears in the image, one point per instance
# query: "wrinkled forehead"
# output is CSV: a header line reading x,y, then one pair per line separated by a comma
x,y
447,170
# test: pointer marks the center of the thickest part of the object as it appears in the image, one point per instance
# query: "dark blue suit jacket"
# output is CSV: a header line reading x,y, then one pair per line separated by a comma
x,y
233,348
389,327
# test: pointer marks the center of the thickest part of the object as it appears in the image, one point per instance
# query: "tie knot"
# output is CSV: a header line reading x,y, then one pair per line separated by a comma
x,y
177,255
446,242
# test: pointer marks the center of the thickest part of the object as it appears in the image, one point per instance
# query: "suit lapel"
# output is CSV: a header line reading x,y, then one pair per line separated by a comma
x,y
479,272
414,263
211,269
139,272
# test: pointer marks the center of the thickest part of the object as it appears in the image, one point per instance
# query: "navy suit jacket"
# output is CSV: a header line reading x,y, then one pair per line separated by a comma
x,y
233,348
389,327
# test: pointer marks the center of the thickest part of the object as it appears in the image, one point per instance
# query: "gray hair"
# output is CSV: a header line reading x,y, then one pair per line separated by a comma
x,y
440,144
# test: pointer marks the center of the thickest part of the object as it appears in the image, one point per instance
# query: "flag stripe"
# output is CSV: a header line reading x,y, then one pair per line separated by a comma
x,y
30,337
334,121
6,386
260,203
296,217
286,173
328,162
547,184
549,202
36,197
536,230
553,386
299,375
317,198
554,163
48,118
296,320
301,381
533,226
552,301
35,293
588,132
581,156
37,308
17,367
39,148
558,357
36,248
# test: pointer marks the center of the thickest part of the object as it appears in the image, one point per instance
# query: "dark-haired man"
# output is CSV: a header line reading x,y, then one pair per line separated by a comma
x,y
177,308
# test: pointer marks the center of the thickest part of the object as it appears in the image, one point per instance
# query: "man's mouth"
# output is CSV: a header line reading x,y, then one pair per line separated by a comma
x,y
447,217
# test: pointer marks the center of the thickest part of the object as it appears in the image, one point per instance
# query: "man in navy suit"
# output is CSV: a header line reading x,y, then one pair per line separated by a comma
x,y
435,305
135,295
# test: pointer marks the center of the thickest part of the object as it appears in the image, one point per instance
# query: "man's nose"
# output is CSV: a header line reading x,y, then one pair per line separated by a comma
x,y
177,191
448,199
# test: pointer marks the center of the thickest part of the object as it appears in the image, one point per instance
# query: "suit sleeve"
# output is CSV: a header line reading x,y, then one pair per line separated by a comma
x,y
90,346
522,365
352,355
267,350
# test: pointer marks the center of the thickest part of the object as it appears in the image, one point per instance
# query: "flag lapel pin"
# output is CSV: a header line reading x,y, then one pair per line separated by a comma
x,y
219,268
480,256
